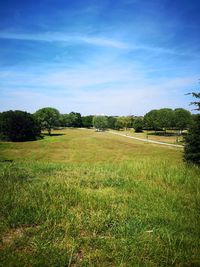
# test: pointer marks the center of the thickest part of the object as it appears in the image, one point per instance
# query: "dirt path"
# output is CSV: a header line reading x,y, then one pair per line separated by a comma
x,y
147,140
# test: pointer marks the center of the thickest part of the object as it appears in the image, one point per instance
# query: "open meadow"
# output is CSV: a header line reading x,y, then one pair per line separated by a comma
x,y
86,198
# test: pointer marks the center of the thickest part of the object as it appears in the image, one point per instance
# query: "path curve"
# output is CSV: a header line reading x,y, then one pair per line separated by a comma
x,y
147,140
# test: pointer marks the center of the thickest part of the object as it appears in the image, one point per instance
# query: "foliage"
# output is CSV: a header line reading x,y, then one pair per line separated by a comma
x,y
112,122
197,103
165,118
48,118
124,122
73,119
151,120
18,126
138,125
100,122
182,118
192,142
87,121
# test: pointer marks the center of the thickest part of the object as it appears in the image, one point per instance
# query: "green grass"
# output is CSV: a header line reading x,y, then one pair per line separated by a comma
x,y
169,137
94,199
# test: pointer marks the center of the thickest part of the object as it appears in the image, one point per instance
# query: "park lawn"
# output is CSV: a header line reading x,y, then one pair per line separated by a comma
x,y
158,136
82,198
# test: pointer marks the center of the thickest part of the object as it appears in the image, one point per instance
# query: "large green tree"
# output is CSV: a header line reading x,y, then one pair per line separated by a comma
x,y
182,119
18,126
151,119
138,125
165,118
48,118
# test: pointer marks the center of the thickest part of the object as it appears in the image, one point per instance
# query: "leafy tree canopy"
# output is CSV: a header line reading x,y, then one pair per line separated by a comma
x,y
138,125
48,118
100,122
18,126
124,122
151,119
87,121
73,119
182,118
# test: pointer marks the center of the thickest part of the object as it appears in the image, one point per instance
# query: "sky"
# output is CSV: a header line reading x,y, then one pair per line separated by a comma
x,y
113,57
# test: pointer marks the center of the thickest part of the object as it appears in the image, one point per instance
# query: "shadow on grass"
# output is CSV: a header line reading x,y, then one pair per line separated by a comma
x,y
53,134
6,160
163,134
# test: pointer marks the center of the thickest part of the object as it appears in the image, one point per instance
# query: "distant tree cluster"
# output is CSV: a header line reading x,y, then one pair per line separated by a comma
x,y
166,118
73,119
22,126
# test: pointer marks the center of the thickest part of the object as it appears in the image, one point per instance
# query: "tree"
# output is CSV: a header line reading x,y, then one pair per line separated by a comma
x,y
124,122
111,122
18,126
87,121
197,103
48,118
192,141
182,119
138,125
165,118
73,119
100,122
151,119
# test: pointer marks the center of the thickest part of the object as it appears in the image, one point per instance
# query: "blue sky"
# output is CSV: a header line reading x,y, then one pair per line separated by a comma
x,y
110,57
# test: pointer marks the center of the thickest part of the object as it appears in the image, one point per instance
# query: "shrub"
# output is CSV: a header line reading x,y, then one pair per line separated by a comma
x,y
18,126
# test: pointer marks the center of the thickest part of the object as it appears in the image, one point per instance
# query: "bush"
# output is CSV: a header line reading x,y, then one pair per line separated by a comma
x,y
192,142
18,126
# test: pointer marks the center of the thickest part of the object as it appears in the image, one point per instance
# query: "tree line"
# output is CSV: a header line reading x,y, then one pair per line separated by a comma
x,y
49,118
23,126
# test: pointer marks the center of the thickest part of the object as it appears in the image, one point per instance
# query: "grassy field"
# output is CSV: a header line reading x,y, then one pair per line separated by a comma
x,y
81,198
168,137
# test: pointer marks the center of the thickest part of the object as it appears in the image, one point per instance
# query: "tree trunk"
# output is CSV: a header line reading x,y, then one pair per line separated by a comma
x,y
49,131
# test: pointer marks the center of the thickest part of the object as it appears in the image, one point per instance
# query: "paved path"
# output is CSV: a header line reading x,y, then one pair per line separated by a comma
x,y
147,140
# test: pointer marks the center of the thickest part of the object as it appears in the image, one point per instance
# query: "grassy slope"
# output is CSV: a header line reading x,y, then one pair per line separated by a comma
x,y
94,199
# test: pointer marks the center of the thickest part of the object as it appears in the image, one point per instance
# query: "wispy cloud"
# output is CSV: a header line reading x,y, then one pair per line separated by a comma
x,y
61,37
110,90
91,40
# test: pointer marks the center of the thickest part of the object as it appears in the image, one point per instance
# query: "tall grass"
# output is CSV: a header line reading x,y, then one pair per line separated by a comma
x,y
140,211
